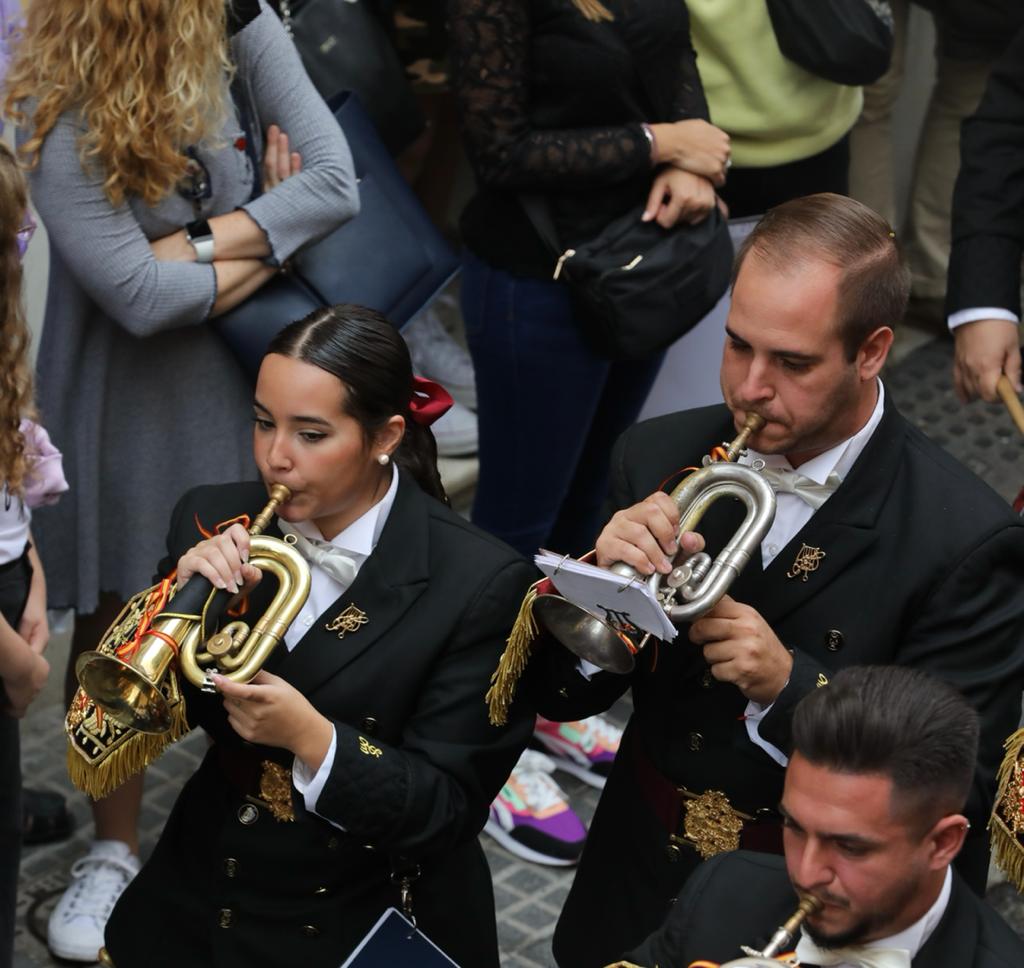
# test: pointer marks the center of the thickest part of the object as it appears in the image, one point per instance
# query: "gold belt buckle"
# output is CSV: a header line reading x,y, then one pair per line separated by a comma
x,y
711,825
275,791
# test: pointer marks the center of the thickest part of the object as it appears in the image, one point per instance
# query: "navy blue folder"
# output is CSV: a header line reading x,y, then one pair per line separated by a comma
x,y
394,943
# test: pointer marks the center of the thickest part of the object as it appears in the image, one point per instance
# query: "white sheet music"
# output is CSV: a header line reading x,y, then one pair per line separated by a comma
x,y
620,601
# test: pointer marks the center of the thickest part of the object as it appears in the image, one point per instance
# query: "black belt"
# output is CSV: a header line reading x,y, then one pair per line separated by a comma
x,y
22,560
706,822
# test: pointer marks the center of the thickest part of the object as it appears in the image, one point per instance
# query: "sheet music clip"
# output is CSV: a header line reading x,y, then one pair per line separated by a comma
x,y
562,561
622,588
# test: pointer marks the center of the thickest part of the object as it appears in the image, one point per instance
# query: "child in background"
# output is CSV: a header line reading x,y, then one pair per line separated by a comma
x,y
31,474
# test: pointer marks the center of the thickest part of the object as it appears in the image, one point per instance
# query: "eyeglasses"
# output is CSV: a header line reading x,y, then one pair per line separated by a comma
x,y
195,185
25,234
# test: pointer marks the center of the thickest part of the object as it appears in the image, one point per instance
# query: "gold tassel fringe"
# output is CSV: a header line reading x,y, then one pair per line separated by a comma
x,y
594,10
513,661
1006,826
131,756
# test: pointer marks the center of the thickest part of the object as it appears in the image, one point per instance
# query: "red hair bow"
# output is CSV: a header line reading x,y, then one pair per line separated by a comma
x,y
429,401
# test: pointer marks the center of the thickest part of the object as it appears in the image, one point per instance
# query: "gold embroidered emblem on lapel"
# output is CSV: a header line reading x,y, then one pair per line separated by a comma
x,y
350,620
822,680
807,560
276,790
367,748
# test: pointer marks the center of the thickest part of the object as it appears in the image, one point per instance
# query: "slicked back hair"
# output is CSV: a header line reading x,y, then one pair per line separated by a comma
x,y
901,723
875,284
371,360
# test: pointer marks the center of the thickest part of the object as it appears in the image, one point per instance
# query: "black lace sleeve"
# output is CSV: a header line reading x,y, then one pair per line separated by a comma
x,y
690,101
490,65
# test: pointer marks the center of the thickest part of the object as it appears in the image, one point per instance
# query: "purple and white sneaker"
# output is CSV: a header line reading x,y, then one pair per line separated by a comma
x,y
531,816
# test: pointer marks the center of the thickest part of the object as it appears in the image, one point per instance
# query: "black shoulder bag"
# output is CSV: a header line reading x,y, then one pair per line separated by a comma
x,y
845,41
638,287
345,47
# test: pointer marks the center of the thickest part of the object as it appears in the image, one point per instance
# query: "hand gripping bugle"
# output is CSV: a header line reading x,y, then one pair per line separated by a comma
x,y
126,683
696,582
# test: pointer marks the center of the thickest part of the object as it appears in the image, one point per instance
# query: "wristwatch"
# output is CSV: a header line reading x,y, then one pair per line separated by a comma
x,y
200,237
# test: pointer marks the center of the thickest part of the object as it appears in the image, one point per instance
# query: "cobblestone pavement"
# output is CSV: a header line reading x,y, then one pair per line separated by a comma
x,y
528,896
981,435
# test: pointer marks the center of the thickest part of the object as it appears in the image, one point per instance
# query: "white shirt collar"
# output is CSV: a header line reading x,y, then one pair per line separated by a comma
x,y
362,535
838,459
914,937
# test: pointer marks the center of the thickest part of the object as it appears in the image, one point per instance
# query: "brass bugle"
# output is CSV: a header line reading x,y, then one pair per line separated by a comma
x,y
767,957
130,691
696,582
780,941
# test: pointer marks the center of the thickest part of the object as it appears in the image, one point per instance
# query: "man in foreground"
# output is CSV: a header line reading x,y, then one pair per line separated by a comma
x,y
882,764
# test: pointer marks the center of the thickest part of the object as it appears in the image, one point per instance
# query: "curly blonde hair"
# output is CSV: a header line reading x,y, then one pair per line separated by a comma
x,y
15,375
149,77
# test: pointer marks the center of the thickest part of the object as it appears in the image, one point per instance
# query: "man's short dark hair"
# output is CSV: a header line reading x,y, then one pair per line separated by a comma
x,y
898,722
875,284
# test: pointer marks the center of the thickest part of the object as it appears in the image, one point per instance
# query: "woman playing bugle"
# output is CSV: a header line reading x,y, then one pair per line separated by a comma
x,y
371,711
180,155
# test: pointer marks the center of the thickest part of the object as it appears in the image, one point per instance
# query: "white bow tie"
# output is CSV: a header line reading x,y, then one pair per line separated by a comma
x,y
786,481
340,566
808,953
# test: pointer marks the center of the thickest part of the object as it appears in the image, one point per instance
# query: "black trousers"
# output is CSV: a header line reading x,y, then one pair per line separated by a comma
x,y
14,584
752,191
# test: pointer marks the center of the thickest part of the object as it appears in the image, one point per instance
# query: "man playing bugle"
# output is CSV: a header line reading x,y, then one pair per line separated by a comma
x,y
883,550
881,767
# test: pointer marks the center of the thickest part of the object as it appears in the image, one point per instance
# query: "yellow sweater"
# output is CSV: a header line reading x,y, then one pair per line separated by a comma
x,y
774,111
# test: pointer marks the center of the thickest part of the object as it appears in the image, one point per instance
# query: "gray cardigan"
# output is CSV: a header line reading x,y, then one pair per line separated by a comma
x,y
134,386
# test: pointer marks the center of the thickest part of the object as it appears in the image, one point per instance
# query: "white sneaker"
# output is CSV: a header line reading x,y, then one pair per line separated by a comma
x,y
75,930
456,432
437,356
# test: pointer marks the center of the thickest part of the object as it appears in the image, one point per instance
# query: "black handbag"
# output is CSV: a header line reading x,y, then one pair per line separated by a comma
x,y
345,47
845,41
390,256
638,287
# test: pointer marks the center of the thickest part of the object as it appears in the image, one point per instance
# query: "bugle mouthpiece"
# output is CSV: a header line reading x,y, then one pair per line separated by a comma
x,y
751,426
279,494
784,936
808,905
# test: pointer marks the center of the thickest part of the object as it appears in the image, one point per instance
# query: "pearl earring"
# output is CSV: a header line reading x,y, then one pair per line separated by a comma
x,y
383,459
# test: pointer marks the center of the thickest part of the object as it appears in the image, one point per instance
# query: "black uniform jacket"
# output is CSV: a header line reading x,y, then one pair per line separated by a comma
x,y
742,898
923,567
988,201
416,766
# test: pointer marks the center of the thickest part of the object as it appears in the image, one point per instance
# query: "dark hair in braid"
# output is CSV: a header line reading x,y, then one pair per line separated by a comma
x,y
368,355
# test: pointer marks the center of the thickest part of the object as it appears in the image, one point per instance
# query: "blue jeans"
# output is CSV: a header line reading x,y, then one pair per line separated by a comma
x,y
549,411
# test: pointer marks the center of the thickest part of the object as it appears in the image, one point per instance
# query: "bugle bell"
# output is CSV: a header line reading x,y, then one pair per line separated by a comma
x,y
696,582
129,687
